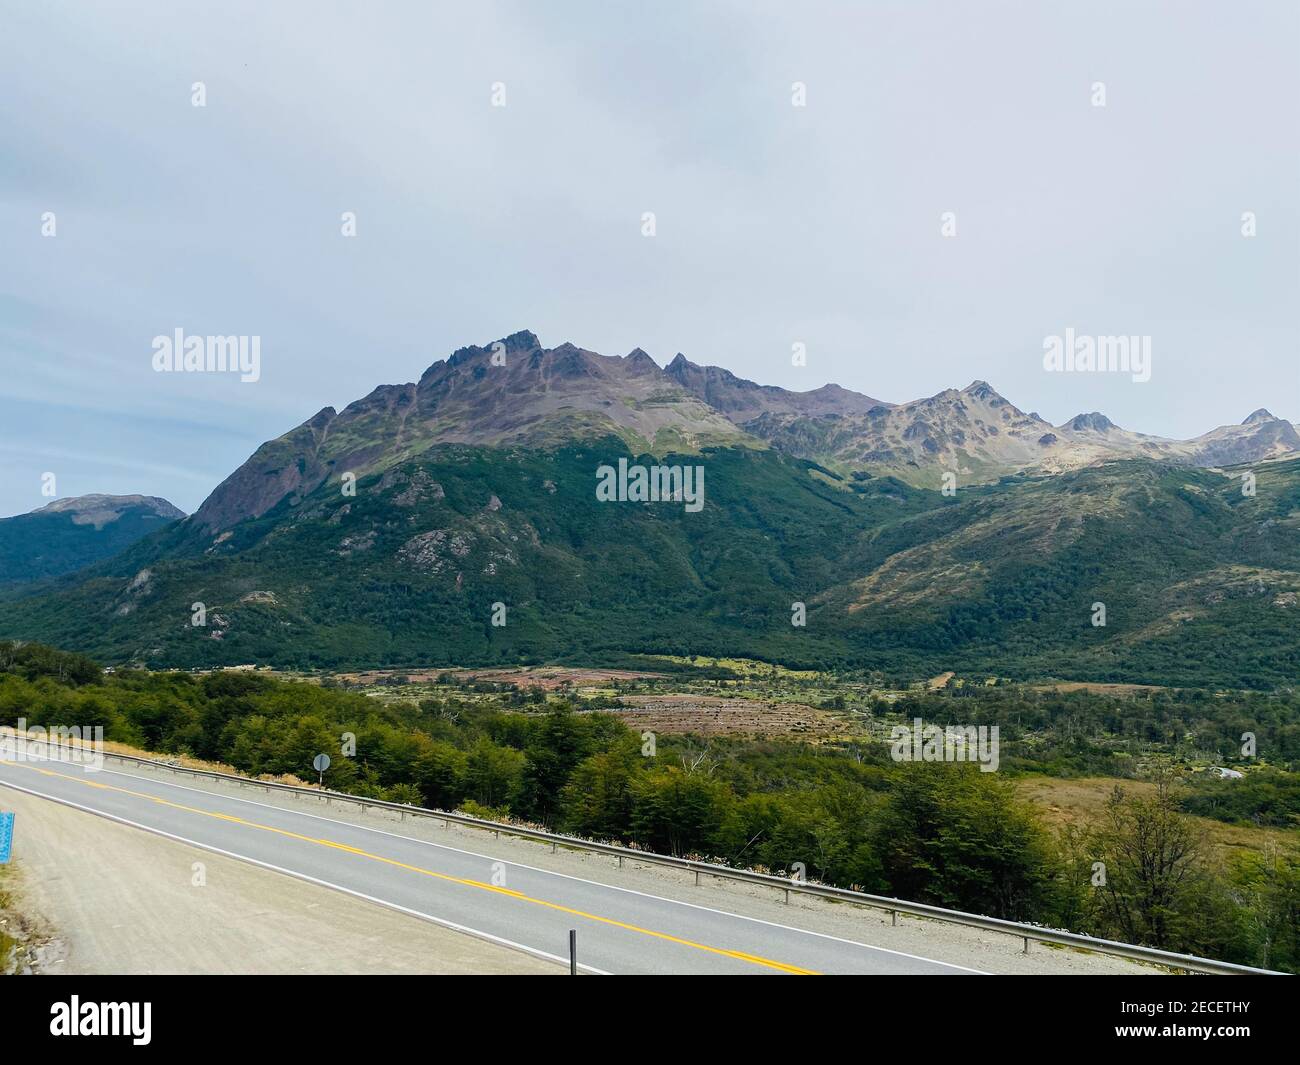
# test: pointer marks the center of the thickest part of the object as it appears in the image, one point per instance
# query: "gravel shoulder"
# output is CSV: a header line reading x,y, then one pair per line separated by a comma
x,y
79,916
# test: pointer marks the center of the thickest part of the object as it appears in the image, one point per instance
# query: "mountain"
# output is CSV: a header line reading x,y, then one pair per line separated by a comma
x,y
1201,583
1260,438
1197,578
742,400
71,533
513,392
476,486
980,436
974,433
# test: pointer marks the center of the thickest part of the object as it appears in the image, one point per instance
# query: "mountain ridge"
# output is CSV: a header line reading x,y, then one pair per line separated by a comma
x,y
383,534
515,391
999,578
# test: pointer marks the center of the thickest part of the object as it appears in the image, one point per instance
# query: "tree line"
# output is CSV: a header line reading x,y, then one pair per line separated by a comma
x,y
945,834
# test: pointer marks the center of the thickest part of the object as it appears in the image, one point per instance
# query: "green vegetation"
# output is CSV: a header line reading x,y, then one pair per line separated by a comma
x,y
1201,585
8,944
945,834
40,546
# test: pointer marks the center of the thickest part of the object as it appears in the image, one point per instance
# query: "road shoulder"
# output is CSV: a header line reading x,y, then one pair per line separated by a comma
x,y
85,908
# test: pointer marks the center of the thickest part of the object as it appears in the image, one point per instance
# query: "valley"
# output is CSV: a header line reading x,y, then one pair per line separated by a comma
x,y
744,763
460,521
719,666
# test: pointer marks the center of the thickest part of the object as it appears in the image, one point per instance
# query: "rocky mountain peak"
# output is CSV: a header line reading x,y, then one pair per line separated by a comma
x,y
99,510
641,364
1093,422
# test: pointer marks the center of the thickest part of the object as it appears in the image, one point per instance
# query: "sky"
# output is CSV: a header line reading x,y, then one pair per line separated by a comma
x,y
774,224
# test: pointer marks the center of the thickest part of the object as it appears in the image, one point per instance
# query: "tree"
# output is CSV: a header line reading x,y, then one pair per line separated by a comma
x,y
678,812
954,836
554,751
597,800
1268,886
1151,853
441,773
493,775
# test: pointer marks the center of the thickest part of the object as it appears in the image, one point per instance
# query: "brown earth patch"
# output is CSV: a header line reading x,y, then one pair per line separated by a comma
x,y
708,715
1101,689
548,678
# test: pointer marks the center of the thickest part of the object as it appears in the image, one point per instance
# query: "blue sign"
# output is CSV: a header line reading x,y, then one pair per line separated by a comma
x,y
6,836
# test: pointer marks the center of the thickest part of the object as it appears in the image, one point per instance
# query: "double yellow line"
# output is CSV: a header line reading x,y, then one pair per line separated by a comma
x,y
754,959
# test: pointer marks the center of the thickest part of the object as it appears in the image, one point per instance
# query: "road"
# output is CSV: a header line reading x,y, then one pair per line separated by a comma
x,y
619,930
77,905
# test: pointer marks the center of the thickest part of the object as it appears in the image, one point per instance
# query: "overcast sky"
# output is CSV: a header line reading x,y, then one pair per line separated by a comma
x,y
775,224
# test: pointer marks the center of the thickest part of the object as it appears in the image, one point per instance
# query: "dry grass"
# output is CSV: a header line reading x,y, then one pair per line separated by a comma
x,y
548,678
1100,689
707,715
8,943
20,934
187,762
1082,800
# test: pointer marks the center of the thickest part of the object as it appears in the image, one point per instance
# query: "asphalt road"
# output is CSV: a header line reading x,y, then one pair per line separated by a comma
x,y
619,930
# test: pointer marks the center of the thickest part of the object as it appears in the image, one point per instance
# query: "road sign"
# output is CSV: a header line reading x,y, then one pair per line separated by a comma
x,y
321,763
6,836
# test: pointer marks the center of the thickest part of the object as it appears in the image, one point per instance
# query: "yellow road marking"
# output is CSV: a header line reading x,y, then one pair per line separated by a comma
x,y
741,955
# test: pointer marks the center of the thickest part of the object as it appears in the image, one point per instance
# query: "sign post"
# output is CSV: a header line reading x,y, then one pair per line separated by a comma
x,y
321,763
6,837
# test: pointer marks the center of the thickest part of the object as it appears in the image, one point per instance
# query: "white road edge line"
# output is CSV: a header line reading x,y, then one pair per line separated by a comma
x,y
535,869
465,929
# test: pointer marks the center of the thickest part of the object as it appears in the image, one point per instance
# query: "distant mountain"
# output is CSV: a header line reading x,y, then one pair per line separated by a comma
x,y
979,436
1260,438
71,533
476,485
974,433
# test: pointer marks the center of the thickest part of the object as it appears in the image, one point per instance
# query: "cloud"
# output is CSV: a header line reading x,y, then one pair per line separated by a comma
x,y
775,223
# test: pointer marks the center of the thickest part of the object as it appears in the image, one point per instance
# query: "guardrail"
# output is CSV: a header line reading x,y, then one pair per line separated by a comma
x,y
1027,932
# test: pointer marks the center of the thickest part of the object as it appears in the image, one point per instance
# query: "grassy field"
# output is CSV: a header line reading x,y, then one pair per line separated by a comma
x,y
1081,800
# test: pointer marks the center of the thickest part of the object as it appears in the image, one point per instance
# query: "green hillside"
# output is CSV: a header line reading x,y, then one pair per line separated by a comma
x,y
999,580
52,542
